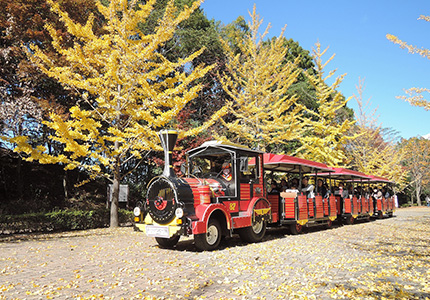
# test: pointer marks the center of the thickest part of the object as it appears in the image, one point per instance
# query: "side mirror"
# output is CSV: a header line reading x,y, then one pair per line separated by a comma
x,y
243,167
184,168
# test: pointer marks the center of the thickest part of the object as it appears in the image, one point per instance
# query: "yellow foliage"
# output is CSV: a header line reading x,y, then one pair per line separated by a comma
x,y
373,150
416,159
414,95
128,88
257,81
326,136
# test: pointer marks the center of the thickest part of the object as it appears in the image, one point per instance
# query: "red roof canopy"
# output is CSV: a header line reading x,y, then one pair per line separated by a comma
x,y
345,174
380,179
291,164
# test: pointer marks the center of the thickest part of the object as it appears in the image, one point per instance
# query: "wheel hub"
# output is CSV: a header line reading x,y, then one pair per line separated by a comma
x,y
212,235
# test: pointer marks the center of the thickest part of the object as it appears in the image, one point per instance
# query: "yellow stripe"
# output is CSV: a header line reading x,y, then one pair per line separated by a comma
x,y
169,131
261,211
302,222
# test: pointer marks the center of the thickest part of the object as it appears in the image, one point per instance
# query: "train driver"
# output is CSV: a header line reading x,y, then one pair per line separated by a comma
x,y
226,172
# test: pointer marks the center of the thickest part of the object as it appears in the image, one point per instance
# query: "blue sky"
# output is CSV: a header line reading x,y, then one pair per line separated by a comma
x,y
355,31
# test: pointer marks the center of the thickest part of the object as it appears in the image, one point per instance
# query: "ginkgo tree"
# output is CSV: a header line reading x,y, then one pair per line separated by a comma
x,y
128,89
257,80
374,150
326,136
414,95
417,163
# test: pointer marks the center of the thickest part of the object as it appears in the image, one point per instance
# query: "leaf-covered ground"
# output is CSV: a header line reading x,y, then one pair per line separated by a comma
x,y
383,259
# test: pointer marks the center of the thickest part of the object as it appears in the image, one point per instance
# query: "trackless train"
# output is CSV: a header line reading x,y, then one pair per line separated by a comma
x,y
224,192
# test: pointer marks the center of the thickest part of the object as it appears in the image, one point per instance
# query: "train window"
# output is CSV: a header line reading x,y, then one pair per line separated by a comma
x,y
210,166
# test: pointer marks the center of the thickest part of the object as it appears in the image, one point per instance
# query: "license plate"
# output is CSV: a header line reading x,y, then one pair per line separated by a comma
x,y
157,231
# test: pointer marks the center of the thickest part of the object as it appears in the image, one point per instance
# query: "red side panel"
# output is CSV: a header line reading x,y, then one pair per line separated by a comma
x,y
326,206
245,192
359,204
311,208
303,207
290,210
379,204
239,222
232,206
243,205
366,205
354,205
391,206
333,205
319,206
347,205
274,203
371,205
338,202
258,190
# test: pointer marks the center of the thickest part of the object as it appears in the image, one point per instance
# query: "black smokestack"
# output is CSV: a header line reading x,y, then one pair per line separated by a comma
x,y
168,140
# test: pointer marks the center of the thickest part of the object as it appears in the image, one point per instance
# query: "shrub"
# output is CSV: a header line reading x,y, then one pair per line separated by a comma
x,y
60,220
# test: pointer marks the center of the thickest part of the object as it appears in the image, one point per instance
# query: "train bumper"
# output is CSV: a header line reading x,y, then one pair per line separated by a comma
x,y
154,229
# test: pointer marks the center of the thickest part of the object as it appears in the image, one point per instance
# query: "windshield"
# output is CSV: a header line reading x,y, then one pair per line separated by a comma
x,y
209,165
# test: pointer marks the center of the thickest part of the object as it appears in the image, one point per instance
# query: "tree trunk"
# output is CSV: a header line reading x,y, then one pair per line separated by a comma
x,y
19,182
418,195
66,195
114,222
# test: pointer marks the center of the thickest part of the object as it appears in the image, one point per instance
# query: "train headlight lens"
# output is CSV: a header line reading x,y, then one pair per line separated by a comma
x,y
179,212
136,211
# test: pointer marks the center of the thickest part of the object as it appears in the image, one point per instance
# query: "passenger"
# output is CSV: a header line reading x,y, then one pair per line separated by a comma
x,y
377,194
293,189
385,192
335,190
274,188
367,192
322,189
294,183
357,191
343,191
350,190
226,172
284,185
307,188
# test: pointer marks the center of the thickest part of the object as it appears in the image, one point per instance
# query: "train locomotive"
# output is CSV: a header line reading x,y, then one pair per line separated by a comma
x,y
223,191
206,203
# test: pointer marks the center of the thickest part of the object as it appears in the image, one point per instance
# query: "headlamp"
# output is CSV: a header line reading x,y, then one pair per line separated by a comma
x,y
136,211
179,212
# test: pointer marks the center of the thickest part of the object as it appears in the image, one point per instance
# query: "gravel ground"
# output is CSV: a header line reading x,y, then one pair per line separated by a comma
x,y
382,259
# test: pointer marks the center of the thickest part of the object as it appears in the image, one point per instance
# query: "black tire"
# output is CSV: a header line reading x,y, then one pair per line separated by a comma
x,y
380,215
210,240
296,228
350,220
254,233
168,243
329,224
